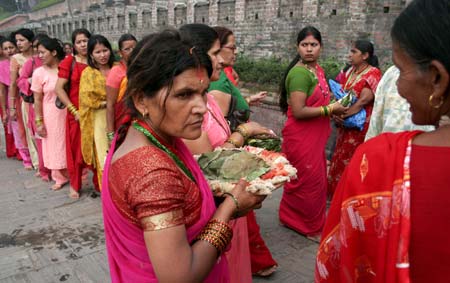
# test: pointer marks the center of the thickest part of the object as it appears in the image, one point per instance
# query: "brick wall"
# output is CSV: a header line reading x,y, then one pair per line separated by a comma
x,y
262,27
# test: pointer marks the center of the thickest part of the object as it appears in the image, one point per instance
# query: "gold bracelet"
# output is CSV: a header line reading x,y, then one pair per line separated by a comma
x,y
235,200
330,110
248,100
230,140
39,122
241,129
322,112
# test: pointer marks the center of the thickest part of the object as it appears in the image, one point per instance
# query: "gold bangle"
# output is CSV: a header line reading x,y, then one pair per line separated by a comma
x,y
235,200
248,100
322,112
233,142
330,110
241,129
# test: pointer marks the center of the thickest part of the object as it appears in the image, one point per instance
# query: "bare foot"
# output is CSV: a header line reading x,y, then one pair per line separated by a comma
x,y
37,174
73,194
266,272
28,168
46,178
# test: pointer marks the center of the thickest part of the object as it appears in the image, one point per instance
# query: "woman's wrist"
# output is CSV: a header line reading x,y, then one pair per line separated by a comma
x,y
243,131
226,210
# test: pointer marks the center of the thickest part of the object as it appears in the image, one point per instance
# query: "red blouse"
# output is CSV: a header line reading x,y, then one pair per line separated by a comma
x,y
430,214
64,70
150,190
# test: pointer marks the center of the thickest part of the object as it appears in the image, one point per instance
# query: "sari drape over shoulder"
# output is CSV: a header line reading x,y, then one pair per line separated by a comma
x,y
92,99
303,205
367,232
127,253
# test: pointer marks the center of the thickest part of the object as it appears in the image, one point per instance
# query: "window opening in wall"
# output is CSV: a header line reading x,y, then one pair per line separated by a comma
x,y
256,16
227,19
386,9
291,14
164,23
333,12
203,19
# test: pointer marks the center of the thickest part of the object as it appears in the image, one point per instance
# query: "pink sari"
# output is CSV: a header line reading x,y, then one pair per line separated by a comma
x,y
16,128
127,254
238,256
303,205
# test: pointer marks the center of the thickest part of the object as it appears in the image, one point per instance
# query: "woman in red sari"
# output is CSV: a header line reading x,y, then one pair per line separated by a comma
x,y
161,223
305,99
388,221
115,106
362,79
74,66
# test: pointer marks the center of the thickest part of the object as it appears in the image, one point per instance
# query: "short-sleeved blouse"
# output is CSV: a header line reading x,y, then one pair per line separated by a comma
x,y
300,79
64,71
147,184
226,86
116,75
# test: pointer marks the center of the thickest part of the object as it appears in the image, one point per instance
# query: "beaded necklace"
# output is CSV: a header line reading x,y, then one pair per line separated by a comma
x,y
352,80
311,70
142,127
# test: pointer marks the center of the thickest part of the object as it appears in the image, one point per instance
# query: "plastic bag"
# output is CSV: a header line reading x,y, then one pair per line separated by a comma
x,y
347,99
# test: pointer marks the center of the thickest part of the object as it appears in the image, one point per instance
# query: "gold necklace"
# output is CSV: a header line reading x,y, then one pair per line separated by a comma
x,y
352,80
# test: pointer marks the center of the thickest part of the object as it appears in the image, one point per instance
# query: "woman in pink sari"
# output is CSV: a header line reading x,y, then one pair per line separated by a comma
x,y
24,85
305,98
9,49
156,201
216,133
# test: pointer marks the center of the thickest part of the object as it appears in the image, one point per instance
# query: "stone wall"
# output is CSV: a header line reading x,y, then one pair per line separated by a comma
x,y
262,27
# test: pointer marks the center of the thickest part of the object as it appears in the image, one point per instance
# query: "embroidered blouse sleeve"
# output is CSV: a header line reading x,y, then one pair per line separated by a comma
x,y
157,196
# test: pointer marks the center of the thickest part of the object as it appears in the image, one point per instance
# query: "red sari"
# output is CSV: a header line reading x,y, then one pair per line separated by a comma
x,y
75,163
367,233
349,139
303,205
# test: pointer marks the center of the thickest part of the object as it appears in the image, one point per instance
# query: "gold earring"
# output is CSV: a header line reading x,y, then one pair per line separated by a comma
x,y
430,102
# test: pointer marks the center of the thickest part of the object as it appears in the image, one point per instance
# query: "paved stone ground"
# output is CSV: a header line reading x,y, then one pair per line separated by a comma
x,y
47,237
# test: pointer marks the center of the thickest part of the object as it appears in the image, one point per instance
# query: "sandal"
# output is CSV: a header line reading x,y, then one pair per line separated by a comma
x,y
57,187
73,194
266,272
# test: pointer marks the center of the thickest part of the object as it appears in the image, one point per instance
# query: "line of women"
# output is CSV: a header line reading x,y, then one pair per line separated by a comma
x,y
53,104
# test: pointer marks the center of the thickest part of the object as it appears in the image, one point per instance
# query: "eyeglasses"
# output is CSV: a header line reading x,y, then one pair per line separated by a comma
x,y
232,48
128,49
